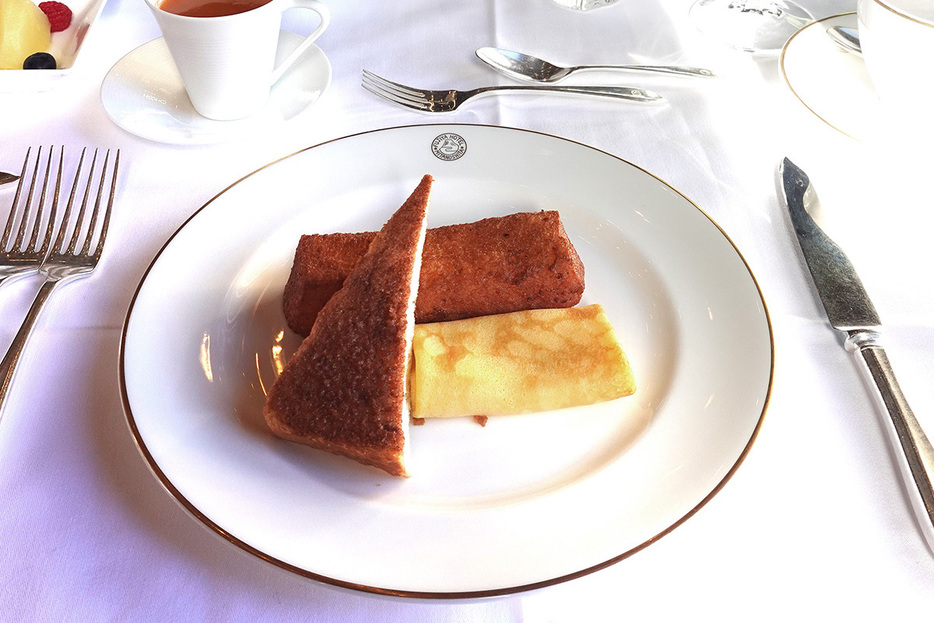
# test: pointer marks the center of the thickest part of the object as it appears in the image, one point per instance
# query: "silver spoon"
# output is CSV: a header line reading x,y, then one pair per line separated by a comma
x,y
846,38
531,69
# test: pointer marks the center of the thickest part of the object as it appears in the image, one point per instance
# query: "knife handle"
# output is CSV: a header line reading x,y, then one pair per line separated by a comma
x,y
916,458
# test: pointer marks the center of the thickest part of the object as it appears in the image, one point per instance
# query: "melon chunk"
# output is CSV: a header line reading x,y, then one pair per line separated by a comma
x,y
24,30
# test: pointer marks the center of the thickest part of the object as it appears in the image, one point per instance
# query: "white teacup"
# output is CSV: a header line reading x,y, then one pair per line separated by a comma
x,y
897,41
227,62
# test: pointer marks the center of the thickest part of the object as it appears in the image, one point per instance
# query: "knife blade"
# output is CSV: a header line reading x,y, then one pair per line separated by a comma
x,y
850,310
839,287
6,178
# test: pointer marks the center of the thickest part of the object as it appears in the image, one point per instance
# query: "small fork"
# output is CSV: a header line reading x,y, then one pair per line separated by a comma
x,y
65,260
427,100
15,260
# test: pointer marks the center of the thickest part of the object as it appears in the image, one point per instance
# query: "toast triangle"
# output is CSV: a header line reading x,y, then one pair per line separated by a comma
x,y
345,388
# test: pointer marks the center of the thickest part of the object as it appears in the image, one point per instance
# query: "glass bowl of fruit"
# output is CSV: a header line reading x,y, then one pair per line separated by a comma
x,y
40,40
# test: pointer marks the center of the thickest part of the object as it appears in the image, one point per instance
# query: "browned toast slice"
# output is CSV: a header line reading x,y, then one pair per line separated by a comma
x,y
345,388
493,266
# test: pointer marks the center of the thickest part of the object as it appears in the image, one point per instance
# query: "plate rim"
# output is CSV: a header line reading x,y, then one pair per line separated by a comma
x,y
788,44
219,531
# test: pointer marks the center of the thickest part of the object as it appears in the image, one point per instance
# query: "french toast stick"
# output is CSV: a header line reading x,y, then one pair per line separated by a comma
x,y
493,266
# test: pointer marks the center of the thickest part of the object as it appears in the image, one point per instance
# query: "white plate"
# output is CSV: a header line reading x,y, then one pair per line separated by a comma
x,y
144,95
65,48
831,83
523,502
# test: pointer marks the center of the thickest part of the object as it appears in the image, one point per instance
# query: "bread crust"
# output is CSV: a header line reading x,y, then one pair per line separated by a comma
x,y
344,389
493,266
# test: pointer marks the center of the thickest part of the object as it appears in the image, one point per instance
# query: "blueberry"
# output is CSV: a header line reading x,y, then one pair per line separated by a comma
x,y
40,60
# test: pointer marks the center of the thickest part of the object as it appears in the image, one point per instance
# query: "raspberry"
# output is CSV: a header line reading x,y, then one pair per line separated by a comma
x,y
59,15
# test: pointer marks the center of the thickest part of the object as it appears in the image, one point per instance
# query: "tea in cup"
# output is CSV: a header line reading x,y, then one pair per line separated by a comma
x,y
225,50
210,8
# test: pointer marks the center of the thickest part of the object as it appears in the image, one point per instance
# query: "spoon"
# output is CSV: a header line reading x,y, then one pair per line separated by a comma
x,y
531,69
846,38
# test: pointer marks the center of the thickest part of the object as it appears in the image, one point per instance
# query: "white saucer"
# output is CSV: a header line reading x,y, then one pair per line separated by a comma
x,y
831,83
144,95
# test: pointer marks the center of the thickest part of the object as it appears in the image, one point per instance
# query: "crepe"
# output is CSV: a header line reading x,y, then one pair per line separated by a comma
x,y
520,362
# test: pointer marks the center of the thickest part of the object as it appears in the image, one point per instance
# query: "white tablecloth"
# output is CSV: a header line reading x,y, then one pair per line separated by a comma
x,y
815,523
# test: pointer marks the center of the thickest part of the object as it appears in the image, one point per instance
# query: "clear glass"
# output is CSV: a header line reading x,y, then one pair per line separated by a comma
x,y
750,25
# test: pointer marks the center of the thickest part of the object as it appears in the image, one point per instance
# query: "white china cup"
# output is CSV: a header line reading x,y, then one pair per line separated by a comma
x,y
897,41
227,63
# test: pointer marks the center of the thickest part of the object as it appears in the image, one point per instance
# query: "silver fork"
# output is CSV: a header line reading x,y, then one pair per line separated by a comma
x,y
15,259
427,100
66,261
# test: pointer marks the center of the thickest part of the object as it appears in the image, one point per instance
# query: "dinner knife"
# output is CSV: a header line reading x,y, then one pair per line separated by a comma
x,y
6,178
849,310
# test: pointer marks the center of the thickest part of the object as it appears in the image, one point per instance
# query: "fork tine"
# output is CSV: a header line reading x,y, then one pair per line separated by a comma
x,y
79,220
394,98
110,202
97,204
27,209
66,217
53,211
40,209
8,230
397,93
396,87
92,226
398,96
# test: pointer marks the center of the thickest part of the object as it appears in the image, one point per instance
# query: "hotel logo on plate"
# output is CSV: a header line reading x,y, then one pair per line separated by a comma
x,y
448,146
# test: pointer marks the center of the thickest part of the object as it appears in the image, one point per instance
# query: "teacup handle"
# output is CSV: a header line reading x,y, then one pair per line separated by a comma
x,y
312,5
